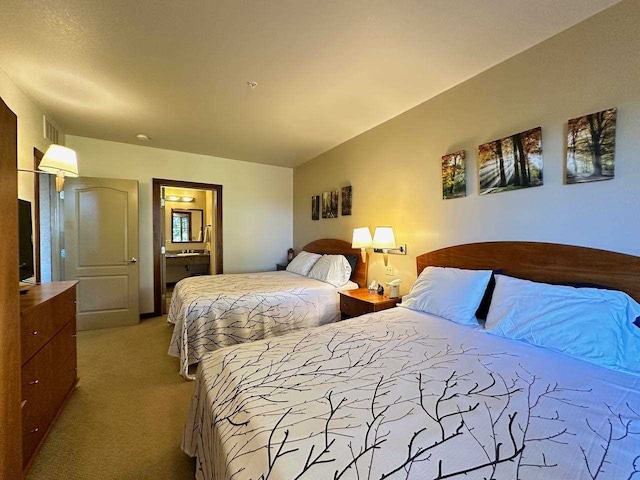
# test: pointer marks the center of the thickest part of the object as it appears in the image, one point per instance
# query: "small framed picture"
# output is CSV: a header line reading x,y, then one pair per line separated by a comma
x,y
454,180
330,204
315,207
591,142
346,200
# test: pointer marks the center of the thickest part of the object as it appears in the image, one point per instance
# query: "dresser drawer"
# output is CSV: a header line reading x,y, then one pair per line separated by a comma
x,y
63,344
30,441
353,307
64,380
37,410
45,384
39,325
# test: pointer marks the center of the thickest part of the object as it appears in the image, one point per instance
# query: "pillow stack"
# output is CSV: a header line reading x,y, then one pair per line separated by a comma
x,y
303,263
450,293
332,269
591,324
596,325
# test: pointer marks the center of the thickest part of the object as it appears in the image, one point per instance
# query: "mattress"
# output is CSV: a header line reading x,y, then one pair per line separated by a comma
x,y
404,395
214,311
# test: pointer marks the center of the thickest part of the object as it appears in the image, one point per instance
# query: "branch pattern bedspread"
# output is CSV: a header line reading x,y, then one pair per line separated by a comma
x,y
404,395
210,312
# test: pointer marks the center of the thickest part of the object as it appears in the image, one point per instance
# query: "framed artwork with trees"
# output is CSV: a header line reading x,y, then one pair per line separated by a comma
x,y
454,179
347,200
591,143
330,204
511,163
315,207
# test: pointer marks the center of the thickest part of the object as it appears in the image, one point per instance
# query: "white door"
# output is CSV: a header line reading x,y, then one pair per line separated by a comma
x,y
101,245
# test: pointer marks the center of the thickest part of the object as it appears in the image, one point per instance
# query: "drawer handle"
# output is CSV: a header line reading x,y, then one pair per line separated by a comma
x,y
74,302
35,382
35,430
34,333
74,335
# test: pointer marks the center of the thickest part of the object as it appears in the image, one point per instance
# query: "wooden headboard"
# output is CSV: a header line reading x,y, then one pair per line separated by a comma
x,y
543,262
333,246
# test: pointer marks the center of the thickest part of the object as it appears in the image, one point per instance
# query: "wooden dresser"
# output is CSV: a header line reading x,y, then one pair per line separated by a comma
x,y
49,373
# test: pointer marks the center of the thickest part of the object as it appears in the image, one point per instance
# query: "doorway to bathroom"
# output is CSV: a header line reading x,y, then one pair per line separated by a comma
x,y
187,235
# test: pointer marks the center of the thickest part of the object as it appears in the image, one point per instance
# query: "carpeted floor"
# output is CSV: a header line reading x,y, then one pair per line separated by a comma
x,y
125,419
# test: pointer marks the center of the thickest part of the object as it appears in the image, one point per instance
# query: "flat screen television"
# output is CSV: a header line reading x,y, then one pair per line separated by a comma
x,y
25,239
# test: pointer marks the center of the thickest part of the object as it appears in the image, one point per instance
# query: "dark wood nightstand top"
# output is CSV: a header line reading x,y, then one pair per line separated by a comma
x,y
354,303
363,295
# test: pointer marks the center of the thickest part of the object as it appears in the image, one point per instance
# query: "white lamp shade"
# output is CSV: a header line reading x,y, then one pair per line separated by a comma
x,y
384,238
361,238
59,159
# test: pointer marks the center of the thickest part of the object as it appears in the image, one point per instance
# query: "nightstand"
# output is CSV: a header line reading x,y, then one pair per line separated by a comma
x,y
354,303
281,266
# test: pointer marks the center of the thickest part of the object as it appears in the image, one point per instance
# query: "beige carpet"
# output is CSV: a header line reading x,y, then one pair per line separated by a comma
x,y
125,419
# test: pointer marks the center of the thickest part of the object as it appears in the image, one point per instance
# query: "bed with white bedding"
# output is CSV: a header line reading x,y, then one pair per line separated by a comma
x,y
214,311
405,394
402,394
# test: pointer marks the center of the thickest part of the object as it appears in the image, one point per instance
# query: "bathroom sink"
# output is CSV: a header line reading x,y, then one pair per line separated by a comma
x,y
190,254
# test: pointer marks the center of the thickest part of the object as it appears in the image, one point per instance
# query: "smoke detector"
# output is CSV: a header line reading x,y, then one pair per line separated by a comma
x,y
252,85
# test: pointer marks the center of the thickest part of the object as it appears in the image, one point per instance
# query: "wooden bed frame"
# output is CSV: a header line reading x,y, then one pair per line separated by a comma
x,y
543,262
332,246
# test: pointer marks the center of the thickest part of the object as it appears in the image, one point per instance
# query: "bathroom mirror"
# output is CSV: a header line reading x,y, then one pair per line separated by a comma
x,y
186,225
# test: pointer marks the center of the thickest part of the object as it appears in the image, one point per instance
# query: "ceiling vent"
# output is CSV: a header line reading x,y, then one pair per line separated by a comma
x,y
51,133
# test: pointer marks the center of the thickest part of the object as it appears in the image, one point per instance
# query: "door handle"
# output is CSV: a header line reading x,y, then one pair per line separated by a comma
x,y
133,260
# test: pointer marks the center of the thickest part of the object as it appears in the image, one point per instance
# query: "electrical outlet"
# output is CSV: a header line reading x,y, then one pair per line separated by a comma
x,y
388,270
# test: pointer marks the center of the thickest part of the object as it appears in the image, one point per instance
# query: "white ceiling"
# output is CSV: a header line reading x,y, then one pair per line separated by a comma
x,y
327,70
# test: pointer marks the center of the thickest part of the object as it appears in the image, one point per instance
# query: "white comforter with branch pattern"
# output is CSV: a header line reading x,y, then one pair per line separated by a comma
x,y
214,311
403,395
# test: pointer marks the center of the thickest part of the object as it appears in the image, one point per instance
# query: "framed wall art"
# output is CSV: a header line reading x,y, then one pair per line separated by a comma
x,y
330,204
454,179
315,207
346,200
511,163
591,142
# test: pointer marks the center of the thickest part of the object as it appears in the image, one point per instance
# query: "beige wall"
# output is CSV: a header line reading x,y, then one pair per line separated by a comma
x,y
30,132
30,136
395,167
257,201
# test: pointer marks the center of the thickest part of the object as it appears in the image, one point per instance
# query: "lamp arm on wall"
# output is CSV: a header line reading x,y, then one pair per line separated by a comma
x,y
399,250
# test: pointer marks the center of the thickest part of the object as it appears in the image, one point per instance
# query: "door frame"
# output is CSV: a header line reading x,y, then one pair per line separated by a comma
x,y
158,183
37,158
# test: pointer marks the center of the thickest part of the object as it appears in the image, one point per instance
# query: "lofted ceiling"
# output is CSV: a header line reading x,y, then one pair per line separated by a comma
x,y
327,70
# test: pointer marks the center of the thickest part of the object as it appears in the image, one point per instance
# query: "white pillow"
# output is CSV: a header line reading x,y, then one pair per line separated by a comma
x,y
594,325
302,263
450,293
333,269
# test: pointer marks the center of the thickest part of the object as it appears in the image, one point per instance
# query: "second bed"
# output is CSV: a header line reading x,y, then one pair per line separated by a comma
x,y
215,311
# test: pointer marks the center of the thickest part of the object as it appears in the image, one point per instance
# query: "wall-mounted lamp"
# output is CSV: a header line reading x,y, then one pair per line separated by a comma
x,y
384,241
59,161
362,240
